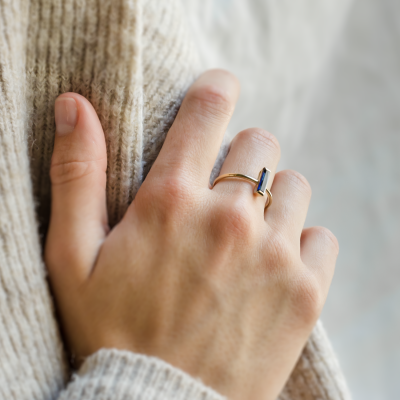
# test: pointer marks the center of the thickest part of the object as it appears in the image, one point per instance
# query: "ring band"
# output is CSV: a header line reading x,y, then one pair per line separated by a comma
x,y
261,183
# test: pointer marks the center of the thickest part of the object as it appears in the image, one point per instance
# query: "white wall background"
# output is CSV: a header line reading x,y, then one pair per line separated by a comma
x,y
324,77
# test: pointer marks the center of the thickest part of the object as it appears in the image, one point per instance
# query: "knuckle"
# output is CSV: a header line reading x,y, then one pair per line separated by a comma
x,y
303,290
257,138
235,221
61,255
210,99
307,297
175,191
170,198
327,236
71,171
298,181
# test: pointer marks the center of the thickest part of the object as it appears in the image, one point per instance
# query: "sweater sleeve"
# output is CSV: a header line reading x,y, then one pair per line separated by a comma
x,y
116,374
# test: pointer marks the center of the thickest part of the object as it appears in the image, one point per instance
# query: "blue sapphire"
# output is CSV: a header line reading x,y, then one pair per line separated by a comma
x,y
263,181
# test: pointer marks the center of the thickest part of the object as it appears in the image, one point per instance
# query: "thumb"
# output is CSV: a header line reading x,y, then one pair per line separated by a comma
x,y
78,223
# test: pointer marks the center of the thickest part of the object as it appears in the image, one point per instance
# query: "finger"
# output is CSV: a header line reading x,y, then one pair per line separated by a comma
x,y
292,195
251,150
319,249
193,142
78,222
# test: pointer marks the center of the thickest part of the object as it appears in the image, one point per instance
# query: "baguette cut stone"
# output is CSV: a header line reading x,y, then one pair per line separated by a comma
x,y
262,183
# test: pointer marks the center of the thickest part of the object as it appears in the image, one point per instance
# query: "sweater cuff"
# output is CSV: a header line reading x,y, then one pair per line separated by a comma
x,y
123,375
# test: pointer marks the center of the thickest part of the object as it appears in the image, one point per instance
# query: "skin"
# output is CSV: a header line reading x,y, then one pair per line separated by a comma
x,y
200,278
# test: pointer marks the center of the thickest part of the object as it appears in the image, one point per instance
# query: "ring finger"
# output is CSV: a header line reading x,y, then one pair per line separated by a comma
x,y
251,150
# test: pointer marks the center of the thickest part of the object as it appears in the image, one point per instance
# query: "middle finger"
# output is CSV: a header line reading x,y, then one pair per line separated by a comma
x,y
251,150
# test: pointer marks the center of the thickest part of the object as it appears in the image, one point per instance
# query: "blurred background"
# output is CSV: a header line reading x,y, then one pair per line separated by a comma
x,y
324,77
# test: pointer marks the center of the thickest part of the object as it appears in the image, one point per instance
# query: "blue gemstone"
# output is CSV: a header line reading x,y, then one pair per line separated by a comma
x,y
260,183
263,182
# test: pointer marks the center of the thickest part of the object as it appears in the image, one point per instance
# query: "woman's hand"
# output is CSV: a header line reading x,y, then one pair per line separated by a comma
x,y
200,278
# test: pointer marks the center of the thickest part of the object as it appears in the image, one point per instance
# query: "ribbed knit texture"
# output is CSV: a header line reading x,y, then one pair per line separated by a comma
x,y
92,48
317,375
111,374
134,61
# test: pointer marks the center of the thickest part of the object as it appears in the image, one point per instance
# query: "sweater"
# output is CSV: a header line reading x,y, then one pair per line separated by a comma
x,y
134,61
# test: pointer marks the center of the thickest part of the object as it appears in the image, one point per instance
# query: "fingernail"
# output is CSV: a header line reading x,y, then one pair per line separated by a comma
x,y
66,114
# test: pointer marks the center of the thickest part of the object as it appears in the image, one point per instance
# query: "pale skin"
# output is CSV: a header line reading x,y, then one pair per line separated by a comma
x,y
201,278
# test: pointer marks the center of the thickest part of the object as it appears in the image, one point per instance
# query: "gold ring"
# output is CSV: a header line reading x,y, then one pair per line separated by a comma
x,y
261,183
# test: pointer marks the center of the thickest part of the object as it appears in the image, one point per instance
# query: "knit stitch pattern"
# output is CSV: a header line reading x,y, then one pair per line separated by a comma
x,y
134,376
134,61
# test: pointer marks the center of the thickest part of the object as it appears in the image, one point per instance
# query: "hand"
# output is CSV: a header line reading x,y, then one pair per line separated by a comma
x,y
200,278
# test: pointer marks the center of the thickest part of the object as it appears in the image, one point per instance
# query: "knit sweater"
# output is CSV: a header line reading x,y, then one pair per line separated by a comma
x,y
134,61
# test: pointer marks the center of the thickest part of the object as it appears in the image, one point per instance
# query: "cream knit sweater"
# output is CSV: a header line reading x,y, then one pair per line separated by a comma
x,y
133,60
